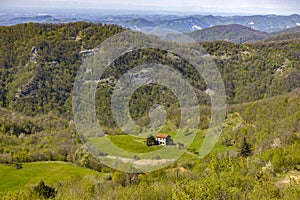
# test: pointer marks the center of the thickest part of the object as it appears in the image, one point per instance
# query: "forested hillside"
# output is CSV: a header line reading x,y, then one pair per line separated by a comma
x,y
234,33
40,63
256,157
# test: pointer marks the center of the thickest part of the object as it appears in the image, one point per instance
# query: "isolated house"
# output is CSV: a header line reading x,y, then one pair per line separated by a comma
x,y
162,139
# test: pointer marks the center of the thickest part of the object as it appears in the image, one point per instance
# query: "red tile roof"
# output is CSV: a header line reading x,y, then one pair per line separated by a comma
x,y
162,135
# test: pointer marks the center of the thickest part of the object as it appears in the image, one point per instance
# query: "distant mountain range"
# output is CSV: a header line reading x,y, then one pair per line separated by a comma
x,y
181,23
265,23
236,29
240,34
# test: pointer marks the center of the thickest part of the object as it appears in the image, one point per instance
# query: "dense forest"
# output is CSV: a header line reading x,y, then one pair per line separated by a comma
x,y
257,156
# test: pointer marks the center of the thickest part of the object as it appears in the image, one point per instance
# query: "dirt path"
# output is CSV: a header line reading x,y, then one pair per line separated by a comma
x,y
142,162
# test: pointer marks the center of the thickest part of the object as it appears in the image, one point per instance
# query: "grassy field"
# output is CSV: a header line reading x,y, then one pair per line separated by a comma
x,y
125,145
133,144
52,173
218,148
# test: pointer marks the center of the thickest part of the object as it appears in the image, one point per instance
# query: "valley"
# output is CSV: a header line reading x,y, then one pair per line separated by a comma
x,y
258,149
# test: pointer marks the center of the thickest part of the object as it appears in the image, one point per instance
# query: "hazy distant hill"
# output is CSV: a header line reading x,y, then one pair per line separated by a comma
x,y
39,19
289,30
35,18
136,23
265,23
232,33
288,34
182,23
240,34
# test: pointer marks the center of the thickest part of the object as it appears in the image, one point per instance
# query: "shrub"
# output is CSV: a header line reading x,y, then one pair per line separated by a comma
x,y
44,191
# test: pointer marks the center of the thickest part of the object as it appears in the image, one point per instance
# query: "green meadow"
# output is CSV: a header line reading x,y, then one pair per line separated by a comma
x,y
52,173
130,144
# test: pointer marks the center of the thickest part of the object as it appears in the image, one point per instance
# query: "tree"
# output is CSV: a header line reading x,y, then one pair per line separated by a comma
x,y
150,141
245,148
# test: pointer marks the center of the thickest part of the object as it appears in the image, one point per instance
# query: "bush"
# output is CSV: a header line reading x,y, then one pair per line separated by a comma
x,y
18,165
245,148
44,191
150,141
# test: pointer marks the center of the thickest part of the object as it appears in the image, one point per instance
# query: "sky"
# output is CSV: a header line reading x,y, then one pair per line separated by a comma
x,y
284,7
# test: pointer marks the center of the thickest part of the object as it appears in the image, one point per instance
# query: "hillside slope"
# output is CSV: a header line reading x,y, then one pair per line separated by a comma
x,y
53,173
233,33
288,34
259,146
40,62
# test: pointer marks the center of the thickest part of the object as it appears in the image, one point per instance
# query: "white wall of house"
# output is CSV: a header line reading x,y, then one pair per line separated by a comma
x,y
162,141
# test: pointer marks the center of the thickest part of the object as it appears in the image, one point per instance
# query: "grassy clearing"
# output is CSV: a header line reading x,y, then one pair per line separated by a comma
x,y
52,173
125,145
133,144
122,145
